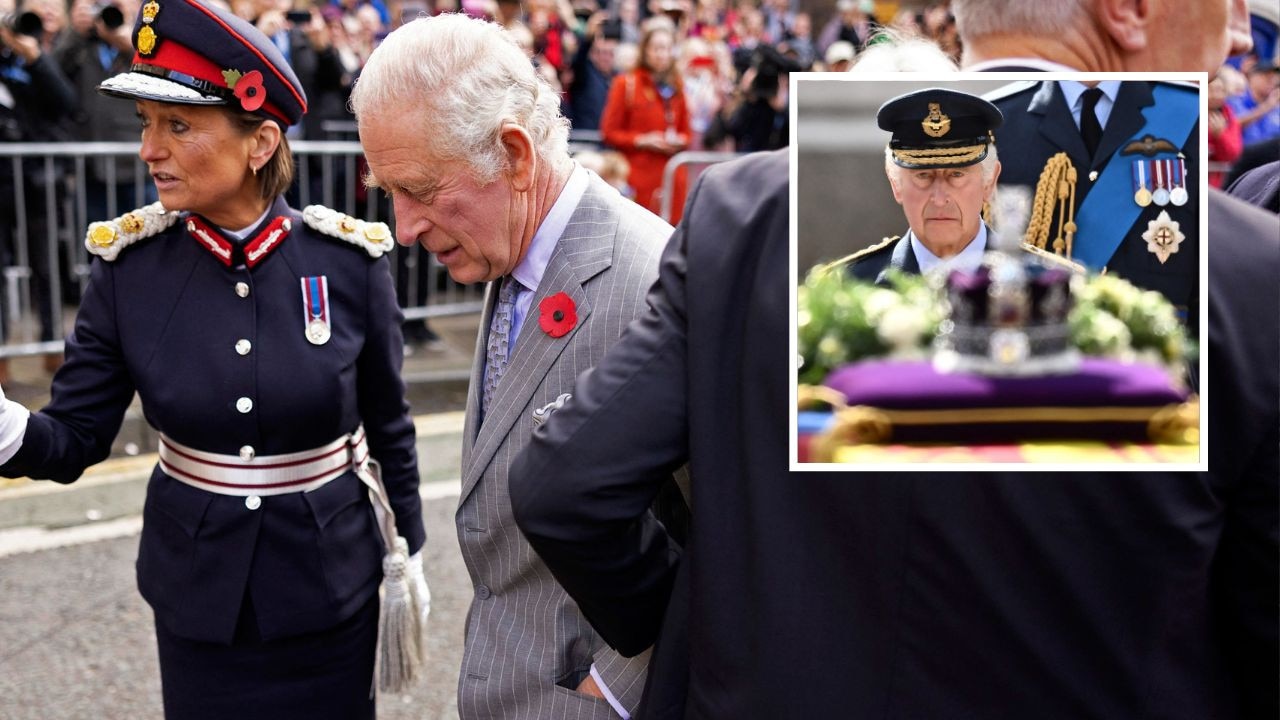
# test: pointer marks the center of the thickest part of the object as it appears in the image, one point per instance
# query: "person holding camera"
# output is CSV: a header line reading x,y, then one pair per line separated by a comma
x,y
756,117
36,101
98,47
646,119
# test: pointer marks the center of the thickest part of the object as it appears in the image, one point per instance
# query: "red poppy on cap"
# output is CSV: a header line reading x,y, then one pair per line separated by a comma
x,y
250,91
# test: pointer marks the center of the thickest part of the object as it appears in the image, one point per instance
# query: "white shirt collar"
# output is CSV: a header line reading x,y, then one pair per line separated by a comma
x,y
530,270
1022,62
1073,92
243,233
967,259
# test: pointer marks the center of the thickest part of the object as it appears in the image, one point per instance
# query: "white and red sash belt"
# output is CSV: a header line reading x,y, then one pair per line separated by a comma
x,y
266,474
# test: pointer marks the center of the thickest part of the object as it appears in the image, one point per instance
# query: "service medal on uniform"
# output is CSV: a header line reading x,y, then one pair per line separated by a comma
x,y
315,308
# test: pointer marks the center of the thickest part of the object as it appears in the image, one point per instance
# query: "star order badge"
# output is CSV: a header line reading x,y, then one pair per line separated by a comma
x,y
1163,236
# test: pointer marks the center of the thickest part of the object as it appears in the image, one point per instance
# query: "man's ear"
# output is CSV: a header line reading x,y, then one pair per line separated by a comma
x,y
265,141
990,193
1126,22
522,162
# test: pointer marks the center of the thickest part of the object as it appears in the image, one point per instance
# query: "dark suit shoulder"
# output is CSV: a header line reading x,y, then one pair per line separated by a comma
x,y
867,263
1012,92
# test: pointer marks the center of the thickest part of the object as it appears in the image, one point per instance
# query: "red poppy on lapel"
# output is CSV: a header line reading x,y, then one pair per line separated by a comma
x,y
557,315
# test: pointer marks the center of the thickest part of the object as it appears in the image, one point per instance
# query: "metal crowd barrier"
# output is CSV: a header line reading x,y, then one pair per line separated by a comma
x,y
50,192
695,162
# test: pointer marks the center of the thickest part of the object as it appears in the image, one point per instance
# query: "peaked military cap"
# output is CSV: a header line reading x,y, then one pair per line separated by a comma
x,y
194,54
938,128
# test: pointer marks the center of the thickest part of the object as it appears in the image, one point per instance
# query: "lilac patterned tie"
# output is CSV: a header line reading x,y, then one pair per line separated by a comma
x,y
495,356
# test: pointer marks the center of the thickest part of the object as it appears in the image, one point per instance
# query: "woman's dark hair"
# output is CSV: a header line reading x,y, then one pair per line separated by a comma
x,y
276,176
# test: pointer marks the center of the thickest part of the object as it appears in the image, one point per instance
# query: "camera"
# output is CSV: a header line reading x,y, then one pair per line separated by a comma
x,y
110,15
25,23
298,17
611,29
769,64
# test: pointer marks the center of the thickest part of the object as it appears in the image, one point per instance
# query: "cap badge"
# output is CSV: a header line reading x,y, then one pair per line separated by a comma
x,y
1163,236
146,40
149,11
936,124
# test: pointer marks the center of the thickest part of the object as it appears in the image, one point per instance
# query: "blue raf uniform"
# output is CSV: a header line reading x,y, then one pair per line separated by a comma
x,y
276,354
1152,129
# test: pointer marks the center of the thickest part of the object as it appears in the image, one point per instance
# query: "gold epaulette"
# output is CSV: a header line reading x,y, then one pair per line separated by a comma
x,y
854,257
374,237
107,238
1053,259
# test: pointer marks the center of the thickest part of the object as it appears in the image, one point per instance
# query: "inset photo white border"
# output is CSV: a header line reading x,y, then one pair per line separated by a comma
x,y
837,153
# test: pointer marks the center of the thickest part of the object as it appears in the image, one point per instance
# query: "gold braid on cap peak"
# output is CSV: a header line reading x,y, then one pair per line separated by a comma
x,y
1057,185
968,154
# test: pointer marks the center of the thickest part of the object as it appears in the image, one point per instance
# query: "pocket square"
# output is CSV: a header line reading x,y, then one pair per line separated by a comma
x,y
541,414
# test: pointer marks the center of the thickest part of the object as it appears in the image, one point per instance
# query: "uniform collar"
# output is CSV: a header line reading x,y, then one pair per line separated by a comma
x,y
248,248
967,259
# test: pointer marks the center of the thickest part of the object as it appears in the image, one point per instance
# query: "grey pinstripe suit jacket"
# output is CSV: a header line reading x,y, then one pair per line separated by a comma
x,y
523,633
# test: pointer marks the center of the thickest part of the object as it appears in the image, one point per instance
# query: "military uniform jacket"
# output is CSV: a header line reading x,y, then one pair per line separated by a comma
x,y
871,264
217,354
1038,125
527,644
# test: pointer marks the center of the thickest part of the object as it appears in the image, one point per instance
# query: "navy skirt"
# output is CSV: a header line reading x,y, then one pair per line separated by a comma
x,y
325,674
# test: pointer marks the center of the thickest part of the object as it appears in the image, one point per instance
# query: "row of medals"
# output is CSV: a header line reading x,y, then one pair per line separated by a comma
x,y
1161,196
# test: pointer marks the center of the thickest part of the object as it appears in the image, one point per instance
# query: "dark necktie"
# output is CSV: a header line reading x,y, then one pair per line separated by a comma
x,y
1090,128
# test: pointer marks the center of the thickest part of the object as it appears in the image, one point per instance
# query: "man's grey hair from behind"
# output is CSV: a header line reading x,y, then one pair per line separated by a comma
x,y
469,77
976,18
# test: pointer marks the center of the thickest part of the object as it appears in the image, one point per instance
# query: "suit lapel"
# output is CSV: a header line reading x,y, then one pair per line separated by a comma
x,y
584,251
1057,125
1126,116
903,258
471,423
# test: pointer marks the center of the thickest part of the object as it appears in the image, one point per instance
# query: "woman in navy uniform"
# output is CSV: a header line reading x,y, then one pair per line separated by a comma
x,y
265,346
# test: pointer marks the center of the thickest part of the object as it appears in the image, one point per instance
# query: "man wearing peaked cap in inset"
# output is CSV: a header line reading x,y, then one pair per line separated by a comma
x,y
942,167
265,347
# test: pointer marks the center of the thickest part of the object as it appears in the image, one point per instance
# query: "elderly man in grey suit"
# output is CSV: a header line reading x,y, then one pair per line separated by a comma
x,y
471,146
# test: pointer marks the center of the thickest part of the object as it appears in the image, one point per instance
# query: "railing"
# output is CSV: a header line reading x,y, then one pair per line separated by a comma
x,y
50,192
696,162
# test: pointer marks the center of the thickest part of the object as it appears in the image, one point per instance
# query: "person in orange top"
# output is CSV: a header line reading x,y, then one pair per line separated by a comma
x,y
646,119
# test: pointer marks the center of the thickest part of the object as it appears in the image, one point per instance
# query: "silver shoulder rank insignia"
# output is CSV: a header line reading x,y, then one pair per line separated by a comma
x,y
374,237
1163,236
107,238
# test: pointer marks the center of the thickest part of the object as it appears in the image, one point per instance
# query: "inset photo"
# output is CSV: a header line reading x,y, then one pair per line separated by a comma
x,y
996,270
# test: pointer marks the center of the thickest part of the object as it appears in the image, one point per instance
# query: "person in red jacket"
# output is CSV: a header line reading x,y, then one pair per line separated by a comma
x,y
647,120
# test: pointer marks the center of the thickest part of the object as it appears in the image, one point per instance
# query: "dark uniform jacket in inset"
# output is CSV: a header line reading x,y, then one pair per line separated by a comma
x,y
166,318
1038,125
871,264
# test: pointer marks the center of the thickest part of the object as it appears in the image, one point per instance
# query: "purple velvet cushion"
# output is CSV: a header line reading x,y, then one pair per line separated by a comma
x,y
1099,383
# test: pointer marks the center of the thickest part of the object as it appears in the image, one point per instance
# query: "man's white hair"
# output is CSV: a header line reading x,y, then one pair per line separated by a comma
x,y
976,18
987,164
467,78
893,51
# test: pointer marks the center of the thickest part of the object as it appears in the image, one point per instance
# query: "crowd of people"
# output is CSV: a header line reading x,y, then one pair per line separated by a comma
x,y
642,80
1244,118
